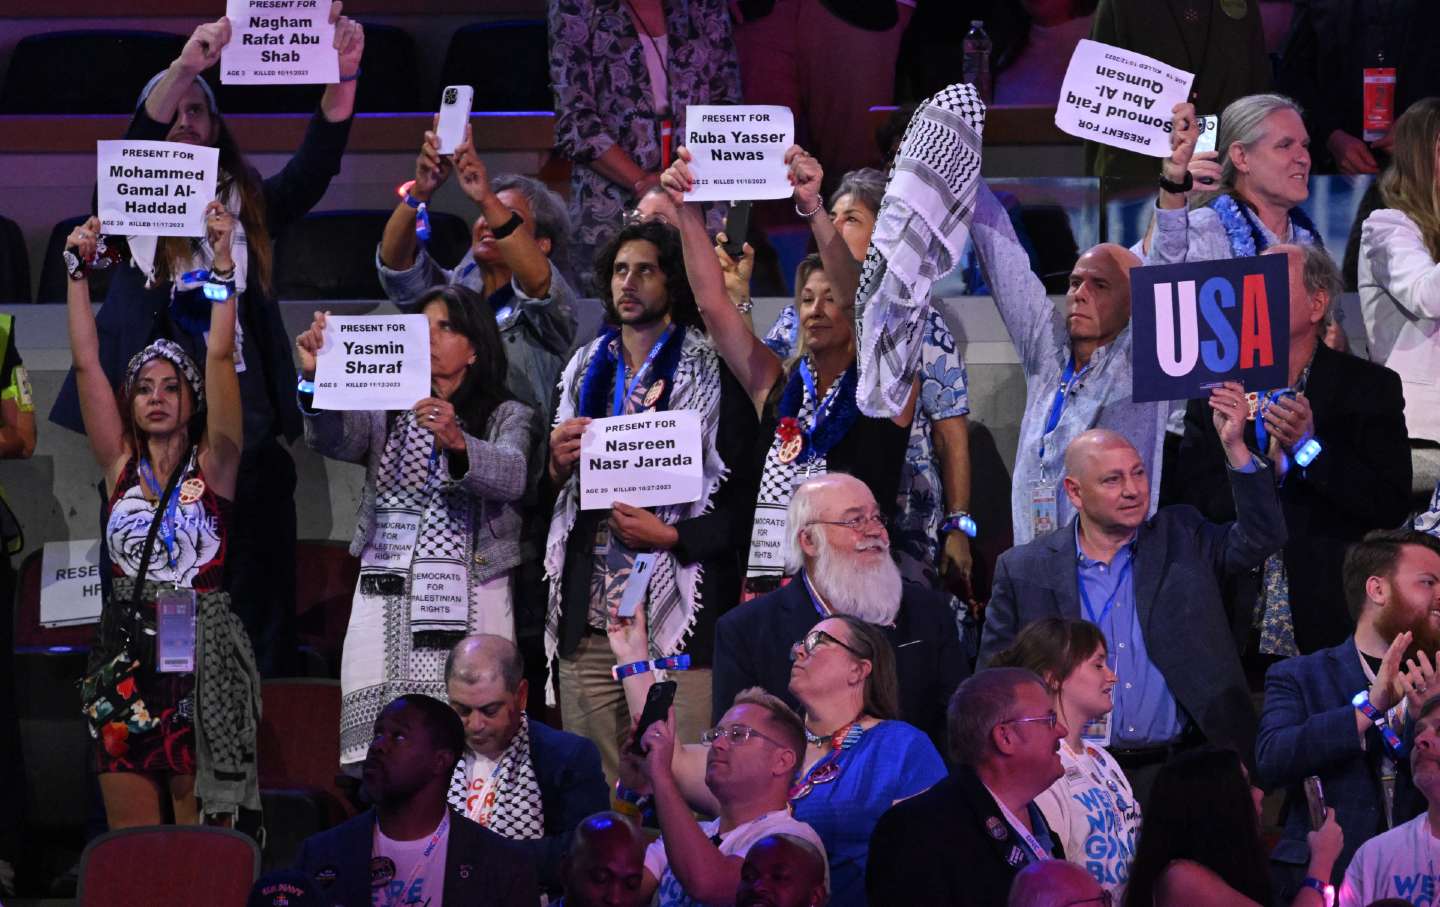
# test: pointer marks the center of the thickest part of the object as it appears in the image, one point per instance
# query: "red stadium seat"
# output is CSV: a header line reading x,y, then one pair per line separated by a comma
x,y
300,739
168,864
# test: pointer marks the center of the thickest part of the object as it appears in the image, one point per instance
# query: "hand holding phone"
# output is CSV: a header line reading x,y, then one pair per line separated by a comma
x,y
1315,796
657,708
737,227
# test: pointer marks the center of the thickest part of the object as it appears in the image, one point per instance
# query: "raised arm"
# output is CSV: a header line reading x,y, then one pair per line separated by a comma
x,y
337,104
752,362
398,243
98,408
805,175
200,52
224,421
519,249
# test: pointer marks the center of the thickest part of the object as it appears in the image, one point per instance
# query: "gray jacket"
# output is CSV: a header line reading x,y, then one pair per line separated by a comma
x,y
495,477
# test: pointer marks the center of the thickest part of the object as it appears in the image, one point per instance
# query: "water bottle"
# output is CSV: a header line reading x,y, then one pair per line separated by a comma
x,y
977,60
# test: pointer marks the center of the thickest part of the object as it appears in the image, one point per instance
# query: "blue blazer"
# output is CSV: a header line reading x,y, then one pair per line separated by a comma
x,y
480,866
1180,562
752,649
572,786
1308,728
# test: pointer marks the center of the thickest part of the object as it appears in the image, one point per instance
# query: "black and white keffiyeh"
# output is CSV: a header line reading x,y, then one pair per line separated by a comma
x,y
920,234
422,527
519,812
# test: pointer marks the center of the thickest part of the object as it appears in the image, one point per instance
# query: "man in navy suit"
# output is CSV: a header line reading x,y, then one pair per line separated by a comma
x,y
1153,587
411,848
839,545
519,778
1310,725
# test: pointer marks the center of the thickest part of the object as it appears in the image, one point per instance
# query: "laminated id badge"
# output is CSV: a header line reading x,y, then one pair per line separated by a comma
x,y
1379,104
636,585
1044,511
175,631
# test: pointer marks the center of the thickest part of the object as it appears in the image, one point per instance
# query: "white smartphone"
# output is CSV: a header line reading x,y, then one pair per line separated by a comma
x,y
1209,128
454,114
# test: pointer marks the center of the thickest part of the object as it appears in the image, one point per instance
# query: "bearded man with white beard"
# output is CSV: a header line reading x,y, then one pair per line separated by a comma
x,y
838,560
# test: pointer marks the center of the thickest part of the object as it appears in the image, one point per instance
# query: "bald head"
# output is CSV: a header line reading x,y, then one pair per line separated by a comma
x,y
833,496
1119,257
1086,449
782,870
1052,883
605,864
481,657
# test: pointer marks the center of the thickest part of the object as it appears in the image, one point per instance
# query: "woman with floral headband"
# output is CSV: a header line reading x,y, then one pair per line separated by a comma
x,y
171,693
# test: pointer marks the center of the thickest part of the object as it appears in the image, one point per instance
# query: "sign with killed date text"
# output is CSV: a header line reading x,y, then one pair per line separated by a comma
x,y
645,460
1120,98
371,362
738,152
154,188
279,42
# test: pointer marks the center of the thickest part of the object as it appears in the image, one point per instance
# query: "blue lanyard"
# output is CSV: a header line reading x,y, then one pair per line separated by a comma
x,y
1267,400
820,608
624,391
1058,406
168,508
822,407
1109,602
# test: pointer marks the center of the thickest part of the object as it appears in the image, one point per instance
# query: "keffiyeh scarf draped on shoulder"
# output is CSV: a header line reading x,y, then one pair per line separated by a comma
x,y
674,590
920,233
518,811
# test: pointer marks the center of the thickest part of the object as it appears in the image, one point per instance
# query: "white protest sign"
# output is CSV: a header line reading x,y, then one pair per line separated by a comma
x,y
373,362
70,583
738,152
279,42
155,188
1120,98
645,460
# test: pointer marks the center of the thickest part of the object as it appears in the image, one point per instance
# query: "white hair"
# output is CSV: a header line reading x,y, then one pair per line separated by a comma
x,y
798,515
868,592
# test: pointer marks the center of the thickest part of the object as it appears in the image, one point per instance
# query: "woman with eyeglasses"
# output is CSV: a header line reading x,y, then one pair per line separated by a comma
x,y
859,758
1201,845
1091,807
812,423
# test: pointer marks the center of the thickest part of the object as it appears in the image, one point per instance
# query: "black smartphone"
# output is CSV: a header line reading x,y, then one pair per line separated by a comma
x,y
657,708
737,227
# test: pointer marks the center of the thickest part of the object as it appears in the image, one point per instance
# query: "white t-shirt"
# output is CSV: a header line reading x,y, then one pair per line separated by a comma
x,y
736,843
415,878
1401,863
479,778
1093,812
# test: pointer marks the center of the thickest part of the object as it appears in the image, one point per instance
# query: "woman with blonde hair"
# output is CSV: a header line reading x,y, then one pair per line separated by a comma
x,y
1400,280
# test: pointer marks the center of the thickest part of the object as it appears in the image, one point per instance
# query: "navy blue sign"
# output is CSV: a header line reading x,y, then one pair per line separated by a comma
x,y
1200,323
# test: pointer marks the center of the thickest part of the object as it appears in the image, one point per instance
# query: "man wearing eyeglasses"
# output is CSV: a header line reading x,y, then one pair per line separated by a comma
x,y
838,553
753,754
962,842
1152,585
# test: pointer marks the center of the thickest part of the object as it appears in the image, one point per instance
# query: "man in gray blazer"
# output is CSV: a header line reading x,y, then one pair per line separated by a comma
x,y
1153,586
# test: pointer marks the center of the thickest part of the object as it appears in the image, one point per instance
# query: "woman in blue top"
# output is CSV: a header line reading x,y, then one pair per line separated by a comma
x,y
860,759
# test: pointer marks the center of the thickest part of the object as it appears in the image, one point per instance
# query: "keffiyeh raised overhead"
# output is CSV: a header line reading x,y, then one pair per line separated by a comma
x,y
920,233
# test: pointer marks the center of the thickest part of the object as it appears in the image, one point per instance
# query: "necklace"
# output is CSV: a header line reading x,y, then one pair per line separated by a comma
x,y
828,768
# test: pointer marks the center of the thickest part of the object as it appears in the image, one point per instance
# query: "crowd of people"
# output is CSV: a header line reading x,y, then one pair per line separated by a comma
x,y
810,704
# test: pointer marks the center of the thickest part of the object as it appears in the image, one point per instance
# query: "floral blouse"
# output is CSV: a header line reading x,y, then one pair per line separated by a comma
x,y
603,98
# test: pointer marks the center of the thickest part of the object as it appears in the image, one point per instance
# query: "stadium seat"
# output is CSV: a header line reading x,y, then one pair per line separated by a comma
x,y
168,864
53,278
330,255
116,64
389,81
324,590
14,264
299,755
507,63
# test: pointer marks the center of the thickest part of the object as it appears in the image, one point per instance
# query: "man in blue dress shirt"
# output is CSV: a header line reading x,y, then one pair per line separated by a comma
x,y
1153,586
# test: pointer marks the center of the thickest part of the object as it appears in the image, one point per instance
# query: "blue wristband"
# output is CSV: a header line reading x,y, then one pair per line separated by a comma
x,y
620,672
305,387
1307,453
352,77
1367,708
962,521
679,662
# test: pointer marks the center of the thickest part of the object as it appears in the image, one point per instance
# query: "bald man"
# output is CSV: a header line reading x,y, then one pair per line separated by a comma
x,y
839,551
518,778
1054,883
605,866
782,870
1076,359
1359,481
1152,584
